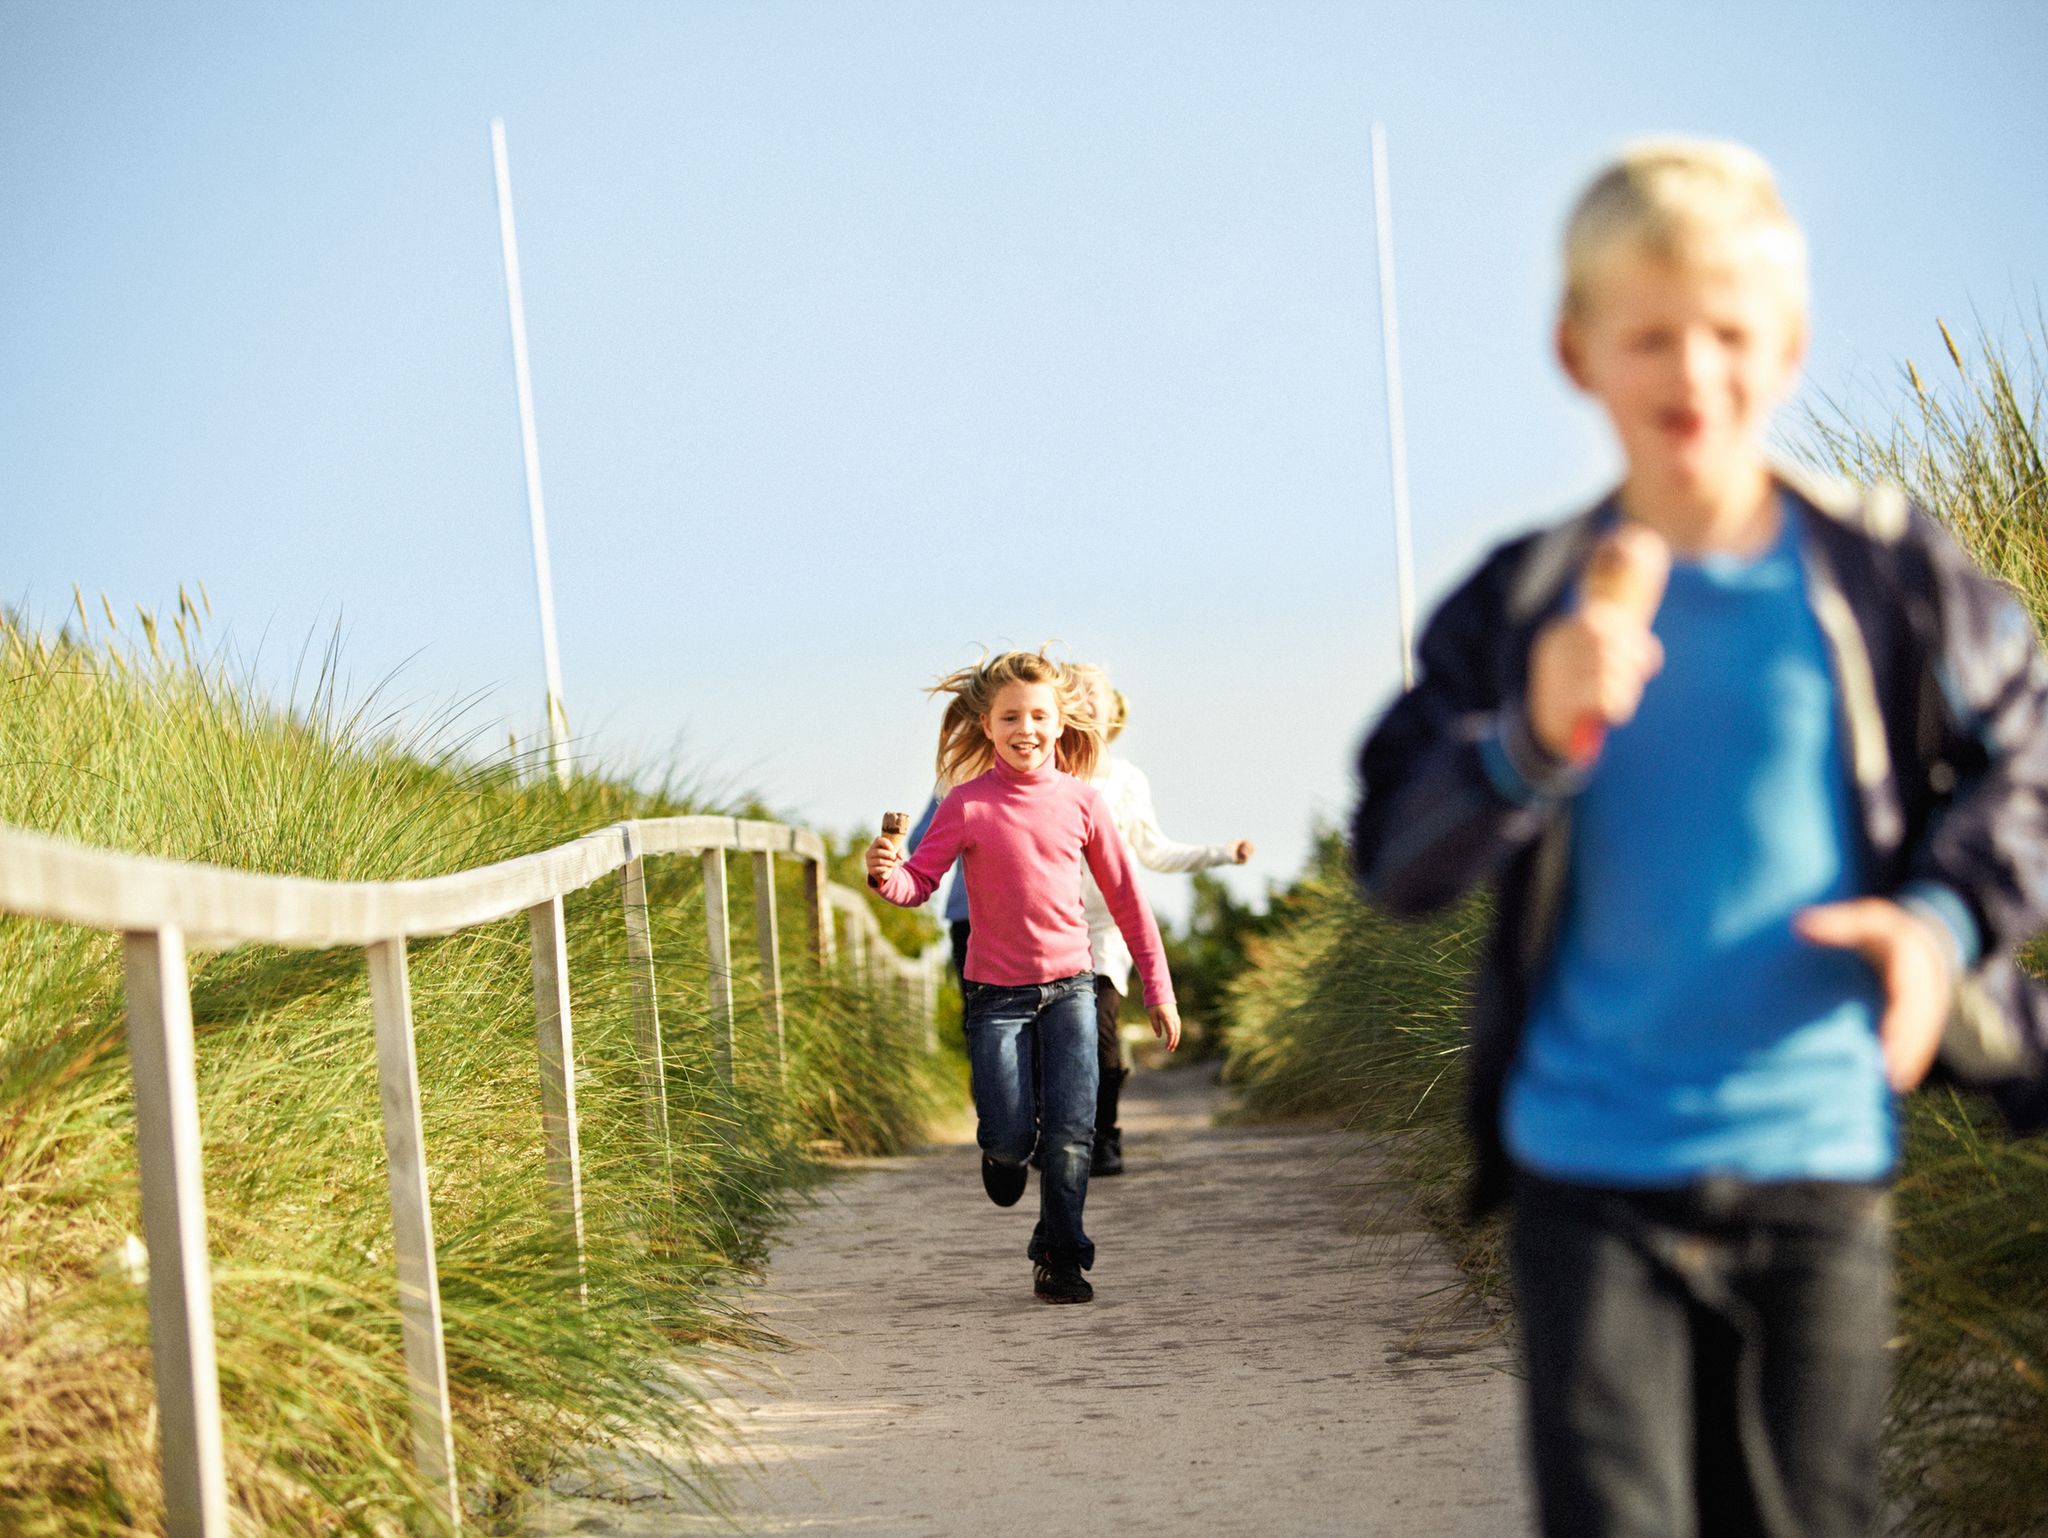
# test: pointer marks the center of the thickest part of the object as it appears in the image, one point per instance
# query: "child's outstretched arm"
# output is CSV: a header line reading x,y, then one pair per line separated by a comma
x,y
1155,851
909,882
918,830
1452,780
1110,864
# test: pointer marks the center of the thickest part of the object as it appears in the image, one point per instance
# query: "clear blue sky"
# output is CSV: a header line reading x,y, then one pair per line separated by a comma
x,y
868,334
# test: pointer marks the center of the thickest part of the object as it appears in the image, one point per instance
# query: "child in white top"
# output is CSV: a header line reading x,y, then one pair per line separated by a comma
x,y
1129,794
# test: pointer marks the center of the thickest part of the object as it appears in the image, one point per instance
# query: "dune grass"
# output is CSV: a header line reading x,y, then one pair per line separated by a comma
x,y
121,748
1347,1012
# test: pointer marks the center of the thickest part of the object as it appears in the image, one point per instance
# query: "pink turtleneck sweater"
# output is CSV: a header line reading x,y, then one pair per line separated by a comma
x,y
1022,838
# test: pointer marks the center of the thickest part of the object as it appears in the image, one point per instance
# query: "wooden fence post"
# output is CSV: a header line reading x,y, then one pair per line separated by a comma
x,y
646,1009
718,933
174,1224
557,1041
820,914
769,942
412,1226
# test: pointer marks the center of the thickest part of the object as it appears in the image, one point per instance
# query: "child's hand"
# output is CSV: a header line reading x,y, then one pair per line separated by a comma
x,y
1590,665
1241,851
884,855
1912,963
1165,1024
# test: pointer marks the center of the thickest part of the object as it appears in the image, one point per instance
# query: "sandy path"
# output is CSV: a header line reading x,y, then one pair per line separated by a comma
x,y
1254,1363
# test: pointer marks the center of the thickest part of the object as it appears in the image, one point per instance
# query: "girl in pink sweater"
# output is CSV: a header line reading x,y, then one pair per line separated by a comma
x,y
1017,745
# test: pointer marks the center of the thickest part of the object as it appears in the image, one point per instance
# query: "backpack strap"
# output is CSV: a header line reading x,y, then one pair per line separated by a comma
x,y
1553,558
1879,510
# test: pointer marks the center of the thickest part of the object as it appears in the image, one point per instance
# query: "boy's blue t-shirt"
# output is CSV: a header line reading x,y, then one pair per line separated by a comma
x,y
1683,1029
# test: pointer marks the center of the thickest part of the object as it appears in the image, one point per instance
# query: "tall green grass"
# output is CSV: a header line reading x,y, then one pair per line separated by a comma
x,y
122,748
1348,1012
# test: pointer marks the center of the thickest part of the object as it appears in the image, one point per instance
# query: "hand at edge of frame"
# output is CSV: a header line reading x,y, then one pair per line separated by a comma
x,y
1911,962
1242,851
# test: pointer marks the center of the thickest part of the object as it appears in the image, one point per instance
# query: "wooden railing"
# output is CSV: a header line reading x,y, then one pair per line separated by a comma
x,y
163,907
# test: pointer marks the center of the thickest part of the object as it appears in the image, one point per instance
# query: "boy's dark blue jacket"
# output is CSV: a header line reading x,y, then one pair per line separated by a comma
x,y
1942,691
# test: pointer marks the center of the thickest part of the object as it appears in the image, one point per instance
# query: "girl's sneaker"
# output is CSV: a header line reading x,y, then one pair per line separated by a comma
x,y
1003,1182
1060,1281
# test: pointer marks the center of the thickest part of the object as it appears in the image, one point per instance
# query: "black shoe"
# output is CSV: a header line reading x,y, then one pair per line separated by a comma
x,y
1003,1182
1060,1281
1108,1158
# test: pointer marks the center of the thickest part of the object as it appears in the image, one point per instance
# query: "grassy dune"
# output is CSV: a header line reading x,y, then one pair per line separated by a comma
x,y
118,748
1348,1012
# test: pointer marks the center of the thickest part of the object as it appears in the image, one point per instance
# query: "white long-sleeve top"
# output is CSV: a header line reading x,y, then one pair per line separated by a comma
x,y
1129,794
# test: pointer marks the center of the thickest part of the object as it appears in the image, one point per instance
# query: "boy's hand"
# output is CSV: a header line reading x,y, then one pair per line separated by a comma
x,y
1592,664
1912,963
883,856
1165,1024
1241,851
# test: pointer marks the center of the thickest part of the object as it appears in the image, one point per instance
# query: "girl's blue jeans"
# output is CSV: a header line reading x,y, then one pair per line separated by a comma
x,y
1032,1050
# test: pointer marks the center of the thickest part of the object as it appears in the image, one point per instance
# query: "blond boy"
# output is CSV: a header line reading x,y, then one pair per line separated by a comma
x,y
1747,831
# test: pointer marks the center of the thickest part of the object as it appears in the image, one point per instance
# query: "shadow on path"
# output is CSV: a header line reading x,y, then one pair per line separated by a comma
x,y
1255,1362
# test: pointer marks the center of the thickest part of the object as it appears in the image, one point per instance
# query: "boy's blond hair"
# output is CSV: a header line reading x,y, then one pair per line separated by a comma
x,y
1701,203
964,749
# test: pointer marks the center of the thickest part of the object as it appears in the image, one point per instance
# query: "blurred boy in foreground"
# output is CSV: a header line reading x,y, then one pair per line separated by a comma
x,y
1748,833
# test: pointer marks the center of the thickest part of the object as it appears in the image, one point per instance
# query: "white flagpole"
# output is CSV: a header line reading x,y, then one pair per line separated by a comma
x,y
543,577
1397,434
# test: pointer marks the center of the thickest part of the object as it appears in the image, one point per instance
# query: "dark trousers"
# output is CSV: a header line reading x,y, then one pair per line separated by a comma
x,y
957,934
1032,1055
1704,1363
1109,1042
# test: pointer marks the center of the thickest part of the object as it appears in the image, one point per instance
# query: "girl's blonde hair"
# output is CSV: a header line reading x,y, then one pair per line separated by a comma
x,y
1702,203
1119,707
964,748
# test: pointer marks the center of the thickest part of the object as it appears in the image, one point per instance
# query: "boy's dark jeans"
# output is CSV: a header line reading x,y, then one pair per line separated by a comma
x,y
1032,1051
1704,1362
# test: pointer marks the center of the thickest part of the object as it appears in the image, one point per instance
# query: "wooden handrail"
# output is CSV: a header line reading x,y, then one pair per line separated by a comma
x,y
216,908
163,908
